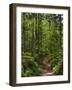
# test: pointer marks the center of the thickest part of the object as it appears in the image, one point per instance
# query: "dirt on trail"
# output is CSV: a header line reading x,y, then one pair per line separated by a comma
x,y
46,70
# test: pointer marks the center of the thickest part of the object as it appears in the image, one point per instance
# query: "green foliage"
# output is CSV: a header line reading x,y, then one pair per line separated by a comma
x,y
42,36
58,69
29,66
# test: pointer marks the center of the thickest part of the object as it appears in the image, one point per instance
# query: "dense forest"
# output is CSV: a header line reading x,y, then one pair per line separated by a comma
x,y
41,44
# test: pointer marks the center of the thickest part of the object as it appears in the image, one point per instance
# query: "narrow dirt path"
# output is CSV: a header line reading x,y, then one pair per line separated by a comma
x,y
46,71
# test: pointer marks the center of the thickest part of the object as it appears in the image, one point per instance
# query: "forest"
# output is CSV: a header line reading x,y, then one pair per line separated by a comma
x,y
41,44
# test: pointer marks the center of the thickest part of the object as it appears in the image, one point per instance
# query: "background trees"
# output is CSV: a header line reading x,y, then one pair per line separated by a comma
x,y
42,39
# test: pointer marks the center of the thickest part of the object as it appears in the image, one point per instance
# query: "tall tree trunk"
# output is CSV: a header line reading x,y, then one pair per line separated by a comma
x,y
60,31
33,34
37,33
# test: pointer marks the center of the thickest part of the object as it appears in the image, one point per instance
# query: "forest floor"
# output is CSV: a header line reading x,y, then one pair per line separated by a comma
x,y
46,71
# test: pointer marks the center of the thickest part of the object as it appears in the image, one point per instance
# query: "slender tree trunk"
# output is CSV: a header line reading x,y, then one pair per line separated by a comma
x,y
37,33
33,34
60,33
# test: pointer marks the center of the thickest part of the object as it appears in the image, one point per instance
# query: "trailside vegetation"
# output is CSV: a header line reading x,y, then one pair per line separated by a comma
x,y
41,44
